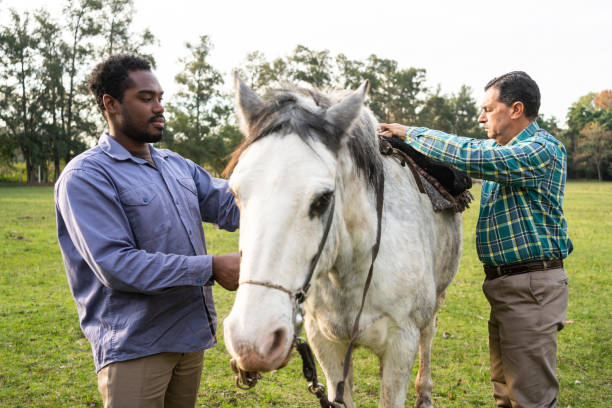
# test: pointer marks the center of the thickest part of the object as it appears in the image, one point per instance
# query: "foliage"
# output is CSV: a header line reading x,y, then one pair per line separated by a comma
x,y
466,114
396,95
115,29
46,361
551,125
310,67
46,113
589,121
595,146
199,127
20,112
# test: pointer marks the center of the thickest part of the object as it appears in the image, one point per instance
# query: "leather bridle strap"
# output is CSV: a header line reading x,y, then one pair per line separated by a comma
x,y
380,192
315,260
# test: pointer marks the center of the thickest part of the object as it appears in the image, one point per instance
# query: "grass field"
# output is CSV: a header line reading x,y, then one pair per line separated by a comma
x,y
46,362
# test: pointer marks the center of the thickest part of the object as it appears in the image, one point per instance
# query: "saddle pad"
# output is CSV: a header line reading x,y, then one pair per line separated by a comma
x,y
454,181
441,203
446,187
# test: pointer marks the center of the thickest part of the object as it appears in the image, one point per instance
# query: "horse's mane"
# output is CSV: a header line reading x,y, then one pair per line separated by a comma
x,y
286,111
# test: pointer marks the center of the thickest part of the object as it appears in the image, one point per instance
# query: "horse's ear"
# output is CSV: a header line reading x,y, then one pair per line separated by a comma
x,y
346,111
248,104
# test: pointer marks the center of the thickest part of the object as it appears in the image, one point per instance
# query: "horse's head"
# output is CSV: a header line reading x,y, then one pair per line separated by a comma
x,y
286,181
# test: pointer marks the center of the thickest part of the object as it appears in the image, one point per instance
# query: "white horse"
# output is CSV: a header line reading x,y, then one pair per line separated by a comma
x,y
310,159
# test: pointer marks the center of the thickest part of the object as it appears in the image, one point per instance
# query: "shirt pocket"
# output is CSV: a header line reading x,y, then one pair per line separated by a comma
x,y
190,194
145,211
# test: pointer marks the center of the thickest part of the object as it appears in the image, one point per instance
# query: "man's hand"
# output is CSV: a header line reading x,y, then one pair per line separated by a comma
x,y
226,270
392,129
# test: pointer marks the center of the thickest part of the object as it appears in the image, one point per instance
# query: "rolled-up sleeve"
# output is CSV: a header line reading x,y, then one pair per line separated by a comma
x,y
92,219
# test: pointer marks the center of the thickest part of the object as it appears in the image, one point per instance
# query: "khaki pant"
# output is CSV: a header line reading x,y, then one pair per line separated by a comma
x,y
160,380
527,311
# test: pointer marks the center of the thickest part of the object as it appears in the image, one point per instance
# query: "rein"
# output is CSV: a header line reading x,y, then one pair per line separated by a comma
x,y
249,379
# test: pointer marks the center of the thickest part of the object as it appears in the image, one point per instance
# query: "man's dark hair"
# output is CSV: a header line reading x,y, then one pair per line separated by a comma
x,y
112,76
517,86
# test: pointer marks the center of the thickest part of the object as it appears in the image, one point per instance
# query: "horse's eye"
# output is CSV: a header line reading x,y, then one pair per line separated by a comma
x,y
320,204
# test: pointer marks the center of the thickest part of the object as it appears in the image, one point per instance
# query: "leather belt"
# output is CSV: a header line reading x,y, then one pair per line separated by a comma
x,y
518,268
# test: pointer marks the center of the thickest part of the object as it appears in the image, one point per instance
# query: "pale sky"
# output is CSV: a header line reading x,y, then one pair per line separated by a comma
x,y
566,46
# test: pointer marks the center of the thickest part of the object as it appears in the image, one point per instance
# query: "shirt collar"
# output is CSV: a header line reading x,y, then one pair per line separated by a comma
x,y
526,133
113,149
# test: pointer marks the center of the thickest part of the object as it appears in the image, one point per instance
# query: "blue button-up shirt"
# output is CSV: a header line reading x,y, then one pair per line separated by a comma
x,y
133,246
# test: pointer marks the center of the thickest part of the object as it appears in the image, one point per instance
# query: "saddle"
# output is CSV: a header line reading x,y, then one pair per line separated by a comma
x,y
446,187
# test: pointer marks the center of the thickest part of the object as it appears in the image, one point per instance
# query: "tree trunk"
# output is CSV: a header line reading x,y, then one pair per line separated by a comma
x,y
598,165
56,166
30,176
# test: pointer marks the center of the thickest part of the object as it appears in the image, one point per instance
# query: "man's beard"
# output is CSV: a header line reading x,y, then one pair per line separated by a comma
x,y
135,133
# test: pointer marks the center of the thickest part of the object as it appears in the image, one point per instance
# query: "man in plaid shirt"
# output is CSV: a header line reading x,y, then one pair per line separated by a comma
x,y
521,235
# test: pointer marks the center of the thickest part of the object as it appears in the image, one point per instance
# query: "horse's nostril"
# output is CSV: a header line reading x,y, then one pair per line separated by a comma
x,y
277,340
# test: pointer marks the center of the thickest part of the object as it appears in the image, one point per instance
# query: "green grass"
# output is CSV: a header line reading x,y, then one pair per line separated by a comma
x,y
46,362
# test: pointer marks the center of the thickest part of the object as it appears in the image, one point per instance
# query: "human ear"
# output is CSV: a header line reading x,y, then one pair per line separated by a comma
x,y
111,105
518,108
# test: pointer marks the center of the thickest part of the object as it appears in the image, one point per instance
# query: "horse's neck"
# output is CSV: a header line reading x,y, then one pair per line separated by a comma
x,y
359,224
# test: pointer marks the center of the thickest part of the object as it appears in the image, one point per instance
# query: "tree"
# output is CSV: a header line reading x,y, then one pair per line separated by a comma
x,y
309,67
595,146
593,108
83,28
260,74
603,100
466,112
46,110
116,22
438,113
550,125
199,109
405,94
305,67
395,94
20,112
52,50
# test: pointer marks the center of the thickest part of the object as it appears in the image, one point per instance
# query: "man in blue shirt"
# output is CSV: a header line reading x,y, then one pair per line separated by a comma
x,y
129,222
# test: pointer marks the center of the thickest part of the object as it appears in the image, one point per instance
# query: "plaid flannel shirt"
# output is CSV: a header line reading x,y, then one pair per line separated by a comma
x,y
521,207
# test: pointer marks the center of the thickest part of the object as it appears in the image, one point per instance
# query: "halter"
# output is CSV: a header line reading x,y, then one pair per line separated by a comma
x,y
249,379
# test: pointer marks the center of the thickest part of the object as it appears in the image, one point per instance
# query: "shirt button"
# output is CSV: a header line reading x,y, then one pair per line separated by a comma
x,y
145,199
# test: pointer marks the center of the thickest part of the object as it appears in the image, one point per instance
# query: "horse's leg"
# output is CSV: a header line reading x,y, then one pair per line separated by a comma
x,y
424,383
330,356
396,364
